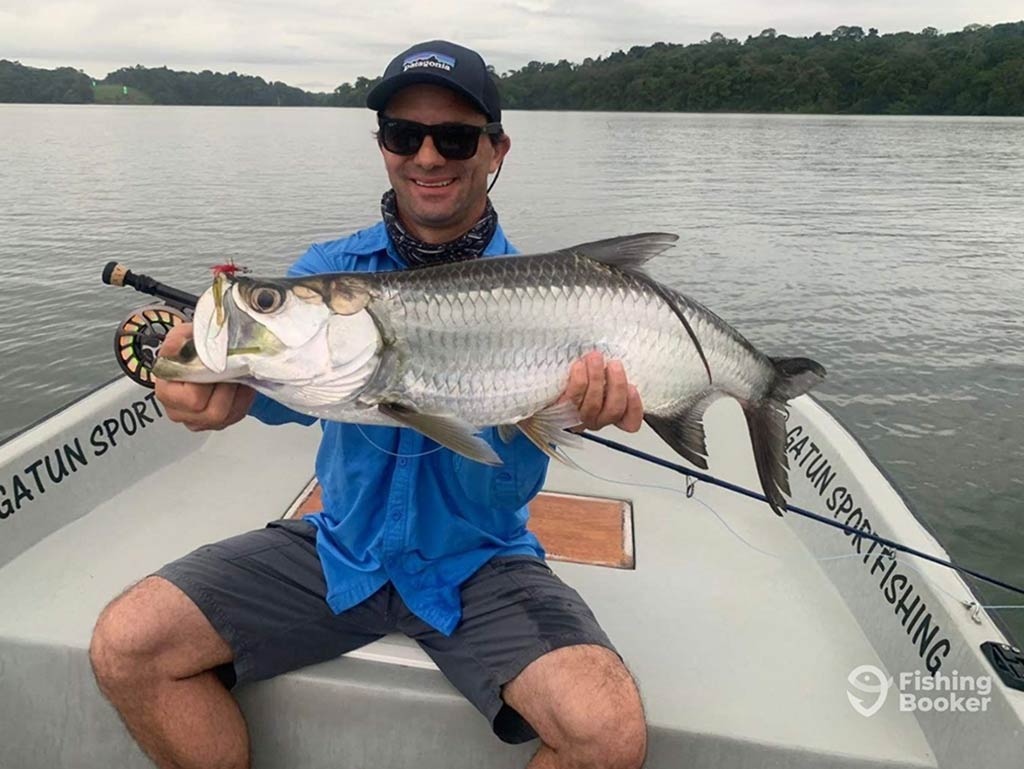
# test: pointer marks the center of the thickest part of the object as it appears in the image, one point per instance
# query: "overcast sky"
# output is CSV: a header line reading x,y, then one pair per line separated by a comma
x,y
317,44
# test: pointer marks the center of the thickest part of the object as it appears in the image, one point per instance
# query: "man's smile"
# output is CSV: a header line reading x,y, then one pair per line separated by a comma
x,y
434,183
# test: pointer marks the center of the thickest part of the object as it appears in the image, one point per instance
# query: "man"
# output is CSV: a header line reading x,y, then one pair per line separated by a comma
x,y
412,538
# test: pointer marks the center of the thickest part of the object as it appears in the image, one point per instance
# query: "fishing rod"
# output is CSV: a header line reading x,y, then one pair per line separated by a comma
x,y
144,343
116,274
713,481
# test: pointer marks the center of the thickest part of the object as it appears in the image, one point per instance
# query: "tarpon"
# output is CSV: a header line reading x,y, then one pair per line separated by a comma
x,y
451,349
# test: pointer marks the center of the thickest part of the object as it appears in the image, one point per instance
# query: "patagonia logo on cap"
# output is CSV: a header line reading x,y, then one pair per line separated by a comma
x,y
430,60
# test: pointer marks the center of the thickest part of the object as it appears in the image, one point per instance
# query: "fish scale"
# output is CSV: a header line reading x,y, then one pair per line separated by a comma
x,y
536,318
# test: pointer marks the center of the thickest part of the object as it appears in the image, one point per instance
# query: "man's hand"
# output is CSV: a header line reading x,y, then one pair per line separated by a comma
x,y
200,406
602,394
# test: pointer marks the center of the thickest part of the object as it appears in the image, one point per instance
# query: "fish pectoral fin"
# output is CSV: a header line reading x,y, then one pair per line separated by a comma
x,y
451,432
684,432
548,427
628,252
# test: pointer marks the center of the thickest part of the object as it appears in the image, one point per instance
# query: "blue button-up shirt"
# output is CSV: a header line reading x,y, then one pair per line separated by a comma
x,y
399,507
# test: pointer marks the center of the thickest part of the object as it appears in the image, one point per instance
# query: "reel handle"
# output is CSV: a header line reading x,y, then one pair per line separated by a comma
x,y
116,274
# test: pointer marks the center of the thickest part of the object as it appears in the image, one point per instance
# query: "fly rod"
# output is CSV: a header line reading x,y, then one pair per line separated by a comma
x,y
115,274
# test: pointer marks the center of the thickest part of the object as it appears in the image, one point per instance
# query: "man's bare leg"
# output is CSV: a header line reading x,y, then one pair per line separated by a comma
x,y
583,703
152,652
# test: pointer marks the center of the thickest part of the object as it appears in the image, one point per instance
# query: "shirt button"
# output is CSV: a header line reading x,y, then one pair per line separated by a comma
x,y
403,462
396,517
504,476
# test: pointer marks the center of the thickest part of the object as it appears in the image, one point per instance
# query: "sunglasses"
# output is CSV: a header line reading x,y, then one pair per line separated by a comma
x,y
454,141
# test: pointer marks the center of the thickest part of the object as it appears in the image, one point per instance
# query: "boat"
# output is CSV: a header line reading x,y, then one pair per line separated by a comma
x,y
753,638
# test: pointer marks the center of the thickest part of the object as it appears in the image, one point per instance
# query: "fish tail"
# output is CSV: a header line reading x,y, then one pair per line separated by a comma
x,y
766,420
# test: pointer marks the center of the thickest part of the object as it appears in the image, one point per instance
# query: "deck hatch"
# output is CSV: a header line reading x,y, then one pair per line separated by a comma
x,y
597,531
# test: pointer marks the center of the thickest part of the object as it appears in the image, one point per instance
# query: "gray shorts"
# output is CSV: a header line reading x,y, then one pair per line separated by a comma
x,y
264,593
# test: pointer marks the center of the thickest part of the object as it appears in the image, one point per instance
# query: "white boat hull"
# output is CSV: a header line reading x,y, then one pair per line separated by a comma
x,y
742,657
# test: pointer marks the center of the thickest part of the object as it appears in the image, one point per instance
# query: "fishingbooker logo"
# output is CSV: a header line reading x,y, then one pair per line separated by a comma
x,y
919,692
430,60
868,679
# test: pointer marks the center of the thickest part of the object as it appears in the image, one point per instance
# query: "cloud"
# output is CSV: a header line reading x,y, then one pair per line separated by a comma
x,y
319,43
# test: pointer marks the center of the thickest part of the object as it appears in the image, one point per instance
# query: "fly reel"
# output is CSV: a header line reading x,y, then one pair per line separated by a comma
x,y
137,340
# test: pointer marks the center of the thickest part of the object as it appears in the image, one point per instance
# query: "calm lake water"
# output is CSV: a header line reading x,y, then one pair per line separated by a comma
x,y
890,249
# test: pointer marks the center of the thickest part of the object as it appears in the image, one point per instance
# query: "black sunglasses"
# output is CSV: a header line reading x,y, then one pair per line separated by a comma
x,y
454,141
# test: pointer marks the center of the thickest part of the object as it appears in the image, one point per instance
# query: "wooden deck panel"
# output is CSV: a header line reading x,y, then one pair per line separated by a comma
x,y
590,530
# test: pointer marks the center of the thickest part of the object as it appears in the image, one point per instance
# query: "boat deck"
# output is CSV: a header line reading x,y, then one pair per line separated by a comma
x,y
742,657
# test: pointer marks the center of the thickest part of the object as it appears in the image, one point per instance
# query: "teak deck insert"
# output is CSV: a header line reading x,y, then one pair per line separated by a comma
x,y
591,530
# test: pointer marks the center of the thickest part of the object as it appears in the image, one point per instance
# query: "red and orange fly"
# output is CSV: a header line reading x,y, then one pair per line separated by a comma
x,y
230,269
222,272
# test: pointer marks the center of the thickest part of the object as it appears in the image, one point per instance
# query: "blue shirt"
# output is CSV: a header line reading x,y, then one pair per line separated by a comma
x,y
399,507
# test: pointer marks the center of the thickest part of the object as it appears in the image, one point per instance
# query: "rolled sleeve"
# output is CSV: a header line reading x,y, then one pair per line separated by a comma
x,y
270,412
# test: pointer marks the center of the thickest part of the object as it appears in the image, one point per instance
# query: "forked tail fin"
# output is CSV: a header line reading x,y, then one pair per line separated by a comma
x,y
766,420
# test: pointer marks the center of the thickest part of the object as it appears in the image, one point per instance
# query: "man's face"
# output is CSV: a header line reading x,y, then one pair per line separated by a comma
x,y
439,199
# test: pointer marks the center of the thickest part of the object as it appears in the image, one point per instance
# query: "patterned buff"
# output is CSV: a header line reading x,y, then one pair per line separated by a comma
x,y
416,253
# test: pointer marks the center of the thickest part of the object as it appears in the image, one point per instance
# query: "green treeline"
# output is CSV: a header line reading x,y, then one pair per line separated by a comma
x,y
167,86
977,71
154,85
49,86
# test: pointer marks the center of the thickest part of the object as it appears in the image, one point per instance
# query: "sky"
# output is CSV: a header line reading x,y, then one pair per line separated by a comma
x,y
318,44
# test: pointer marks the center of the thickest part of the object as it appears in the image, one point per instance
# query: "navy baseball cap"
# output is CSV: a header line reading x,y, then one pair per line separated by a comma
x,y
448,65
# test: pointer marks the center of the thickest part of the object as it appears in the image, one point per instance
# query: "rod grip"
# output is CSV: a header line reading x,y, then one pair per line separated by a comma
x,y
115,273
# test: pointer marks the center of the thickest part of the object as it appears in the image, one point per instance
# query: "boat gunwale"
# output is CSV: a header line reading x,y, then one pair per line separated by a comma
x,y
59,410
910,506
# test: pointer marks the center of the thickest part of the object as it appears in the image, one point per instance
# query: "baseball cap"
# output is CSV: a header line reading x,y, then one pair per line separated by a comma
x,y
442,63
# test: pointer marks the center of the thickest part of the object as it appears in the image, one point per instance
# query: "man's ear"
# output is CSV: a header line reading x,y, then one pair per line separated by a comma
x,y
501,148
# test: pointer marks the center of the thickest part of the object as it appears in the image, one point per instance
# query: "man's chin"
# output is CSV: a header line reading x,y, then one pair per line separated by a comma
x,y
432,216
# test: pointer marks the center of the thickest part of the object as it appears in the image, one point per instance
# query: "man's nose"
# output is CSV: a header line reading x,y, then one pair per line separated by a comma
x,y
428,156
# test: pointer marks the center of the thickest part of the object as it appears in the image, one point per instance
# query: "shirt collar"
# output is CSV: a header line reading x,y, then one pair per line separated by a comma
x,y
377,240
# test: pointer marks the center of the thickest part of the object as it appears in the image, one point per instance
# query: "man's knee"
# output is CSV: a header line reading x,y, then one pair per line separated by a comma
x,y
145,634
609,729
584,703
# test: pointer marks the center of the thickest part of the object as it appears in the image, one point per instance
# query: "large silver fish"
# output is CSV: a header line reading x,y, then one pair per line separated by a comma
x,y
454,348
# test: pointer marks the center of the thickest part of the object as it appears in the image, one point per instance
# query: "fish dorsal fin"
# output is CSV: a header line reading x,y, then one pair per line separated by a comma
x,y
628,252
450,432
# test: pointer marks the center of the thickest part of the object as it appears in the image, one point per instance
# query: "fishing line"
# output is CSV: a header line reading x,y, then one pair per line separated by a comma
x,y
717,515
969,604
700,476
886,554
392,453
674,490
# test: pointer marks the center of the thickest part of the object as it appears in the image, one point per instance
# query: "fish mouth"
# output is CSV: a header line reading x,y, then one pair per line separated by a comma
x,y
224,341
186,366
211,327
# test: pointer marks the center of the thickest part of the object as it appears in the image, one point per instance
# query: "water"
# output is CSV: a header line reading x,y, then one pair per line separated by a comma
x,y
887,248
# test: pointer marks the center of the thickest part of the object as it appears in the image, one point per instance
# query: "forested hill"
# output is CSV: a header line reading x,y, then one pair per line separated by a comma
x,y
977,71
148,85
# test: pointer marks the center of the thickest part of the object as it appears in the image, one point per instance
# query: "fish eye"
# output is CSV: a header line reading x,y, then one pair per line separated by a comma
x,y
266,299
